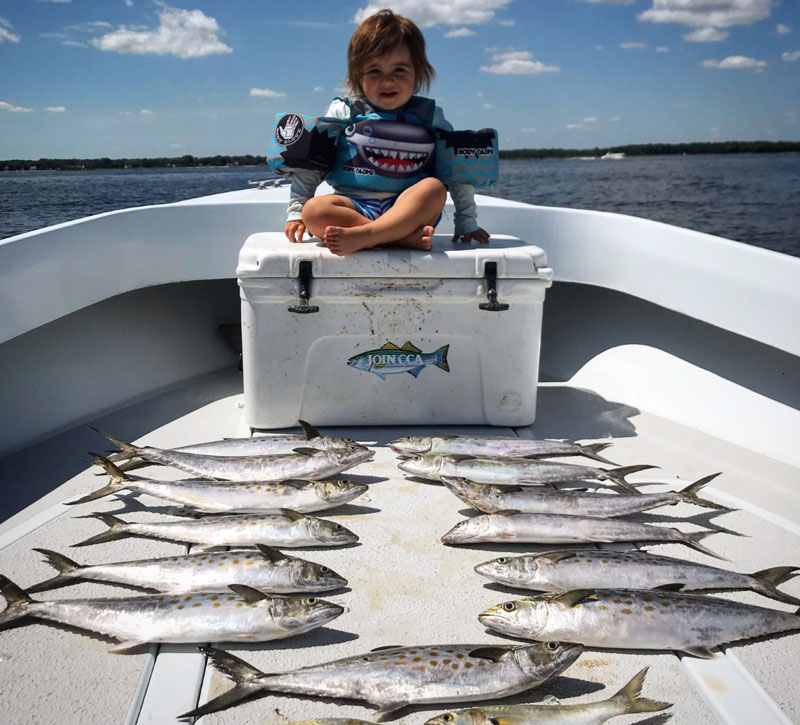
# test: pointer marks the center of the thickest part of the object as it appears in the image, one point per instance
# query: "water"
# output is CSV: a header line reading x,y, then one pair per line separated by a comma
x,y
752,198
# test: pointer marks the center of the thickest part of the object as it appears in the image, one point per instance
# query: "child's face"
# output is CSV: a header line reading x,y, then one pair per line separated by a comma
x,y
389,80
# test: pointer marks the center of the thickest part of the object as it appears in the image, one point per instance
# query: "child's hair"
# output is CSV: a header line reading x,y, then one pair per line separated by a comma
x,y
382,33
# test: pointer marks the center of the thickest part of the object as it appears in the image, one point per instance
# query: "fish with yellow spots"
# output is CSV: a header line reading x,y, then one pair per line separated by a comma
x,y
266,569
210,496
389,678
239,614
657,619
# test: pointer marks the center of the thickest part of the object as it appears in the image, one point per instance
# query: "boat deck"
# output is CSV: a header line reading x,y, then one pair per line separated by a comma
x,y
405,587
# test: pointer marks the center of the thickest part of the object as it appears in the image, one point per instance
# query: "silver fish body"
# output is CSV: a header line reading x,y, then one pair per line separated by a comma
x,y
565,570
540,500
390,678
508,527
304,463
266,569
627,701
239,614
494,447
282,529
512,471
332,721
637,619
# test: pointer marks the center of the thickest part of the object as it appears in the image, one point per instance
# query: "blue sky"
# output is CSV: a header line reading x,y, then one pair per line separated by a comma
x,y
90,78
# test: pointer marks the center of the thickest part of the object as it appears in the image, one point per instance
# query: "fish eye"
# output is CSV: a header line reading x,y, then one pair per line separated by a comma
x,y
502,560
324,569
510,607
552,646
337,527
311,601
447,718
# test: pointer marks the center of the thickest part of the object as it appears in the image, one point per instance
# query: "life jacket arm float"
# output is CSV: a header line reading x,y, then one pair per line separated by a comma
x,y
467,157
303,142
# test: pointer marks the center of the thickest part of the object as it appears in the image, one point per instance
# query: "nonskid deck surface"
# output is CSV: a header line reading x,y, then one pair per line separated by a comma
x,y
405,587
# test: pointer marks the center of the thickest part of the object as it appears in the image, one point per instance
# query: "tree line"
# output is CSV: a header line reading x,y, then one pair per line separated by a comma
x,y
186,161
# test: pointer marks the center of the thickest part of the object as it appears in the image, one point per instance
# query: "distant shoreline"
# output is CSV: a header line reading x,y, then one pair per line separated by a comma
x,y
188,161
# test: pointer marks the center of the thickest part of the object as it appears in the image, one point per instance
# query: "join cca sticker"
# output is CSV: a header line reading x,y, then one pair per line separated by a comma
x,y
391,359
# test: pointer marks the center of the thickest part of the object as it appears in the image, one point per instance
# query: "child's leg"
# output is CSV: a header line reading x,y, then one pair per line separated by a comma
x,y
322,211
411,218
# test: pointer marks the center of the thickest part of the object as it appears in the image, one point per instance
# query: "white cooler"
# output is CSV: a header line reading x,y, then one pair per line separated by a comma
x,y
391,336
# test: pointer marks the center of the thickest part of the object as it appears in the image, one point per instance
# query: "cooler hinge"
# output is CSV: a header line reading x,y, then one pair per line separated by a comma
x,y
304,292
490,278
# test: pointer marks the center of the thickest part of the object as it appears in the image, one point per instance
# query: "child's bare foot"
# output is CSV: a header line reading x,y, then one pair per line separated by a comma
x,y
420,238
346,240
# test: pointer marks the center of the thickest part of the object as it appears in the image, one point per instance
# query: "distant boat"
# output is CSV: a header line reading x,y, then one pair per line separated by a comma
x,y
609,155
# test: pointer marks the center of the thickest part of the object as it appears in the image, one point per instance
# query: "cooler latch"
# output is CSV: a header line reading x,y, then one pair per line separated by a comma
x,y
490,278
304,292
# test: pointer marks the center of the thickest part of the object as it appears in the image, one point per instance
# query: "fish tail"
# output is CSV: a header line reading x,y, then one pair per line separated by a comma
x,y
630,700
441,358
694,540
689,494
244,677
617,476
17,601
591,450
127,450
767,580
116,530
66,571
117,483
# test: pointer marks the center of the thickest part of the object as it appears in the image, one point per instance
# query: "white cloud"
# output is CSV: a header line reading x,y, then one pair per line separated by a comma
x,y
6,36
590,119
488,105
782,29
662,49
573,126
633,44
614,119
611,2
317,89
706,35
516,62
55,109
794,55
459,33
708,13
445,12
506,23
54,1
183,33
267,93
11,108
528,130
735,62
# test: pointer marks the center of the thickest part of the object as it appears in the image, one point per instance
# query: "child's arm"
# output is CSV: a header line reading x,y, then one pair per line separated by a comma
x,y
304,185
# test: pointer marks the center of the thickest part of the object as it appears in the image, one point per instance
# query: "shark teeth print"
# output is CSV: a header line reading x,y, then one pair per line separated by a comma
x,y
395,161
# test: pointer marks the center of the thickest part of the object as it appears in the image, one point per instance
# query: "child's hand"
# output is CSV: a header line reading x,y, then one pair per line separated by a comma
x,y
294,231
480,236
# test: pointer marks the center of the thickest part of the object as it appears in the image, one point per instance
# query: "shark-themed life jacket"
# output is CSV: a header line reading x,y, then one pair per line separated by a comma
x,y
303,142
467,157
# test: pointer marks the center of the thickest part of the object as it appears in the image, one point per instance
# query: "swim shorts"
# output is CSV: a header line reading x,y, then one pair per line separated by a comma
x,y
373,208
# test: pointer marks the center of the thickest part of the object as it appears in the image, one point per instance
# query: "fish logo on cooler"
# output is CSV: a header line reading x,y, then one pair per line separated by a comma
x,y
391,359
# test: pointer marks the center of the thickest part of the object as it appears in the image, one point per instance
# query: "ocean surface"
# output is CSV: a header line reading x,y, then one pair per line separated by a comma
x,y
751,198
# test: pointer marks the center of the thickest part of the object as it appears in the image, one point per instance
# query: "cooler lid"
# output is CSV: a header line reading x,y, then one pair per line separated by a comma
x,y
270,254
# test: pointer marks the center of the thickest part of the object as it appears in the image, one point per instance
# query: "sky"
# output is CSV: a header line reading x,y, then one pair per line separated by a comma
x,y
137,78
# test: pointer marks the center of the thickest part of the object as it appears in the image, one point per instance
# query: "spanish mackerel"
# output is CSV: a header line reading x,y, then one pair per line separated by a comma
x,y
303,463
389,678
514,528
627,701
253,446
284,529
561,570
515,471
495,447
239,613
491,499
226,497
637,619
266,569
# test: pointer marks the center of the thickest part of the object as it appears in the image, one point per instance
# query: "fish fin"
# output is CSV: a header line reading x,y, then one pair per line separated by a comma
x,y
768,579
126,645
551,700
65,566
388,708
293,515
389,346
591,450
458,457
386,646
631,700
703,653
571,598
250,595
117,483
505,489
380,375
689,494
557,555
416,371
676,587
235,669
115,525
127,450
506,512
310,431
308,451
17,601
271,553
410,346
441,358
496,654
694,539
617,476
